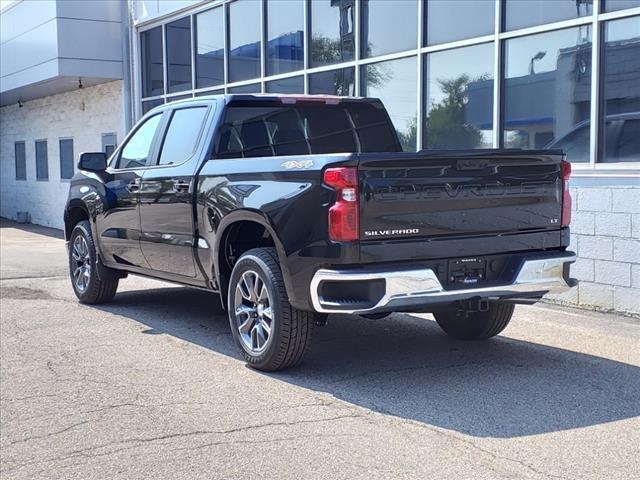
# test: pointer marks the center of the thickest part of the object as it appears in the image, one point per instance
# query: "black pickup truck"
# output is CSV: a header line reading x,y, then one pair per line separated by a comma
x,y
295,207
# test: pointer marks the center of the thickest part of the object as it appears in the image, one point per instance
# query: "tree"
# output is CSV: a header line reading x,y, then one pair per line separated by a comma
x,y
325,50
445,126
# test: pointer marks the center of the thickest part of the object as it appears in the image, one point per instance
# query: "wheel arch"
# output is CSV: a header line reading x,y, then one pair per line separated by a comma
x,y
75,212
230,225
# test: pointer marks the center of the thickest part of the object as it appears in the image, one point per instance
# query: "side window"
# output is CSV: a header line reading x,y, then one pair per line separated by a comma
x,y
135,152
182,135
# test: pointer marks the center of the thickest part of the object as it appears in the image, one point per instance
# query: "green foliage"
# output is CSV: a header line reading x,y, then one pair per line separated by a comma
x,y
445,126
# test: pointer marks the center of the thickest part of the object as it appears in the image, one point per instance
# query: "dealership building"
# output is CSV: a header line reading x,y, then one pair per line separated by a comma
x,y
453,74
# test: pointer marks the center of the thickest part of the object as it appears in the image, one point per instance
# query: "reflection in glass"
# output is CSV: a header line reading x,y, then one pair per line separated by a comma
x,y
526,13
252,88
336,82
219,91
621,94
210,48
286,85
332,34
612,5
395,83
285,36
388,26
151,104
547,88
181,137
179,97
179,55
244,40
152,65
459,98
471,18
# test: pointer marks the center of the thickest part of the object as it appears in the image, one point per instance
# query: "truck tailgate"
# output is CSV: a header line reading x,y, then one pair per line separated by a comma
x,y
454,194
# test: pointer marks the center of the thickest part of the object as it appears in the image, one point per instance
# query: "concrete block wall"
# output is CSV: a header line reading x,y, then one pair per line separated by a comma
x,y
82,114
605,234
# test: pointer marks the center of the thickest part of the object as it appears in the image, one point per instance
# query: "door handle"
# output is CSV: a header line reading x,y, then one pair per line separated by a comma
x,y
133,186
180,186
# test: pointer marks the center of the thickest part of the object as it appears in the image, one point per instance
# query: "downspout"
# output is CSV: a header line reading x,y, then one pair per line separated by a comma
x,y
126,64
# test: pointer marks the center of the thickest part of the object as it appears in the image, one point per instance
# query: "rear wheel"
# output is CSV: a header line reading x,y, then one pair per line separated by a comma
x,y
474,325
89,285
271,334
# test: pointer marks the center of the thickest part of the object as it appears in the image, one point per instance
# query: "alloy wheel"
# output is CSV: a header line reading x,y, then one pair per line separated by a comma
x,y
253,312
81,263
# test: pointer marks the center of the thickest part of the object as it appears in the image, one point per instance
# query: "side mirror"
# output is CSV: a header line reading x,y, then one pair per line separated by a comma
x,y
93,161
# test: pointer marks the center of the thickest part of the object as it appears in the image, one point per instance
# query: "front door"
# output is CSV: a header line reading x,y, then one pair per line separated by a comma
x,y
166,196
118,227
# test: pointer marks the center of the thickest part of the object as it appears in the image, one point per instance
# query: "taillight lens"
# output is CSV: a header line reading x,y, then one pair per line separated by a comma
x,y
566,195
344,213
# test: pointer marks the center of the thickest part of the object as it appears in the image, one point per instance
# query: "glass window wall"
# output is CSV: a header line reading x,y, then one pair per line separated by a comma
x,y
545,86
244,40
179,55
527,13
547,90
472,18
335,82
210,48
286,85
152,64
620,120
332,32
388,26
459,98
285,36
395,83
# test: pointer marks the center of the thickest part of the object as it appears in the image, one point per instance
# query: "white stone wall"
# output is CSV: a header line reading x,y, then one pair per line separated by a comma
x,y
605,233
83,114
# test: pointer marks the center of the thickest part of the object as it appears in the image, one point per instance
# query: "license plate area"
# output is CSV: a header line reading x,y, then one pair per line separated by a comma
x,y
467,271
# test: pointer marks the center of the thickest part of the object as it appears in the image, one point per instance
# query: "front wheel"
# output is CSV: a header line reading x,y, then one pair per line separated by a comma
x,y
271,334
88,285
475,325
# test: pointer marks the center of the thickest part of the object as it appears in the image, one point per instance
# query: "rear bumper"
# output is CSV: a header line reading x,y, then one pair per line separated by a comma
x,y
420,288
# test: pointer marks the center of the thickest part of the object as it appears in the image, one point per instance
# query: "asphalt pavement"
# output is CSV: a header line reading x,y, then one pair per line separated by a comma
x,y
150,386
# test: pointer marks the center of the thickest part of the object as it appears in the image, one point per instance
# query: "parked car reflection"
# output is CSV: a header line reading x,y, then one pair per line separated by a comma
x,y
621,140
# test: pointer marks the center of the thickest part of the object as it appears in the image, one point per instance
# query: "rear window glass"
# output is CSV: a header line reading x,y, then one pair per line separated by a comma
x,y
257,131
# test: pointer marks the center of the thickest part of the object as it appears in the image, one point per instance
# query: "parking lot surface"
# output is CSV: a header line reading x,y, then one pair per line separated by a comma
x,y
151,386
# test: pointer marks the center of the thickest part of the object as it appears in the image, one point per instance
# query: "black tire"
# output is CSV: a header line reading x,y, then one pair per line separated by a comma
x,y
101,284
465,325
290,329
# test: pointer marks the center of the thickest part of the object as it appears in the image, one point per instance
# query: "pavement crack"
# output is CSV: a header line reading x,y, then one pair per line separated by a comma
x,y
51,434
29,397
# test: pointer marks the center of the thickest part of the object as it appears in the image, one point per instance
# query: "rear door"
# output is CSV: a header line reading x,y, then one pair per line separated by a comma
x,y
458,194
166,195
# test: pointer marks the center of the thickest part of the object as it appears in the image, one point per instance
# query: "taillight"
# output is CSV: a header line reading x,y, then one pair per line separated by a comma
x,y
566,195
343,214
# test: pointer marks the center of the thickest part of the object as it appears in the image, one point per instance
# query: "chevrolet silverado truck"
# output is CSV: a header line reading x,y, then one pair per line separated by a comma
x,y
295,207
